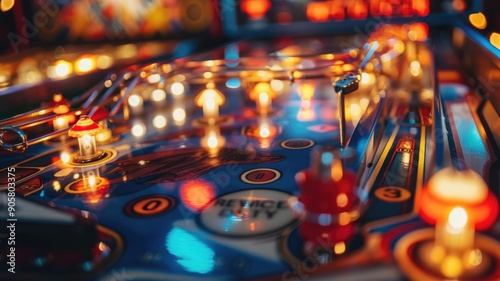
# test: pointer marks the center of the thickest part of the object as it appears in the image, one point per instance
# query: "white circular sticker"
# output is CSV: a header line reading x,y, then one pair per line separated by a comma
x,y
248,213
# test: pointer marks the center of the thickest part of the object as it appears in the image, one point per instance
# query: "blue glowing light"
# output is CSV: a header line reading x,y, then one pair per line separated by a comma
x,y
191,253
232,54
326,158
233,83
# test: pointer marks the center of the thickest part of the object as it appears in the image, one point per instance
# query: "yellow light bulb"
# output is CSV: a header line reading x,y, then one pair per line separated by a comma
x,y
264,131
177,88
495,39
65,157
85,65
478,20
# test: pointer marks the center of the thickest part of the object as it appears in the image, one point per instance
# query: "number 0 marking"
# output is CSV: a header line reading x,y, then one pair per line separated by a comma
x,y
149,206
260,176
392,194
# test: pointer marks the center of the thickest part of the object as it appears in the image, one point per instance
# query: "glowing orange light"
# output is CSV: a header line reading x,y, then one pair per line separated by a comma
x,y
61,109
6,5
337,10
92,187
374,10
57,98
197,194
385,9
421,7
306,91
100,188
495,39
459,5
317,11
60,123
255,9
63,68
357,9
85,64
478,20
306,114
262,87
420,30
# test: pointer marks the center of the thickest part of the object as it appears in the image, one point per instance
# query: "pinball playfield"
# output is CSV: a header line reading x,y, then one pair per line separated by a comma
x,y
324,157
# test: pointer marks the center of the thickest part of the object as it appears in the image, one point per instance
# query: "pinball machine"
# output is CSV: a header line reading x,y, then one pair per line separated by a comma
x,y
264,140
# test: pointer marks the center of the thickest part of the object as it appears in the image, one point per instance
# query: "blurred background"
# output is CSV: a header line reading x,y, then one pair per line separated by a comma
x,y
51,46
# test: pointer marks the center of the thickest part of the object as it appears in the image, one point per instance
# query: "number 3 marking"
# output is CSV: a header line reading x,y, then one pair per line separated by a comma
x,y
392,194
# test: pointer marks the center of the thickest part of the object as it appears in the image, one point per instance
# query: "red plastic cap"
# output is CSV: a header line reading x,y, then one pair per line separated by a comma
x,y
84,126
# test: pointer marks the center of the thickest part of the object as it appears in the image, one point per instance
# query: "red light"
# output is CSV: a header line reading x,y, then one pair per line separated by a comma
x,y
357,10
405,9
196,194
459,5
284,17
337,10
255,9
375,8
385,9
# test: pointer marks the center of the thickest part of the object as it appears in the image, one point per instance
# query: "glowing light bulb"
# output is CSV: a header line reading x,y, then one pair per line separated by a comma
x,y
495,39
56,185
91,180
85,130
210,99
264,103
415,68
6,5
342,200
87,145
135,100
339,248
136,104
264,131
210,108
57,97
154,78
60,123
104,62
159,121
65,157
277,85
84,65
63,68
138,130
458,218
478,20
86,140
179,115
306,113
451,266
306,91
177,88
212,141
158,95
